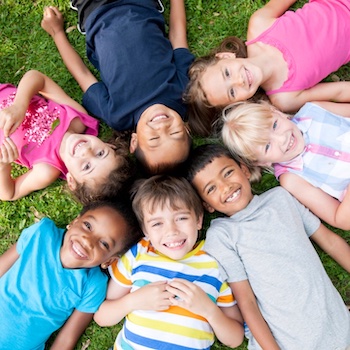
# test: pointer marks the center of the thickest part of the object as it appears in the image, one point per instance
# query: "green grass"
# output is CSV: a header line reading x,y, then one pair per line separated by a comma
x,y
24,45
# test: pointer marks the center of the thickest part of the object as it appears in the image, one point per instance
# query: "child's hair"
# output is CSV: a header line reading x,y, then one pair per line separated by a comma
x,y
161,168
203,155
201,114
117,179
160,190
123,208
246,126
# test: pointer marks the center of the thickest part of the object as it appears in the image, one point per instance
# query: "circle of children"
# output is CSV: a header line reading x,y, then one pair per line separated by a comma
x,y
257,274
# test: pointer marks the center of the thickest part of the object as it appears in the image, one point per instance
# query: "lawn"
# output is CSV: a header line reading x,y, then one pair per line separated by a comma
x,y
24,45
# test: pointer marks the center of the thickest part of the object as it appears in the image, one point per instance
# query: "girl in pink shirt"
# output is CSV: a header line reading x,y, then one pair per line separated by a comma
x,y
287,54
52,135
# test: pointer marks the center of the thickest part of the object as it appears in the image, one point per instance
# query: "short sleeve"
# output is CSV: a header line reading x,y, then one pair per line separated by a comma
x,y
121,270
219,245
27,234
183,59
94,291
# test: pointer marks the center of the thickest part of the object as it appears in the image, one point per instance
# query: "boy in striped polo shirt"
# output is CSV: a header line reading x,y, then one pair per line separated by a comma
x,y
168,289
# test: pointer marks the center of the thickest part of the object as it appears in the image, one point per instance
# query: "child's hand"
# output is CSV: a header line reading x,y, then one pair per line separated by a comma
x,y
189,296
8,152
11,118
153,296
52,21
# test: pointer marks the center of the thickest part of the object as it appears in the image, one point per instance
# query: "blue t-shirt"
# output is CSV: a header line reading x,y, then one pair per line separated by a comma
x,y
138,67
38,295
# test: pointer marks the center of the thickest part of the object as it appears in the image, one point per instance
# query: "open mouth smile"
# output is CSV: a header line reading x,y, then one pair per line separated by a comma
x,y
175,244
233,196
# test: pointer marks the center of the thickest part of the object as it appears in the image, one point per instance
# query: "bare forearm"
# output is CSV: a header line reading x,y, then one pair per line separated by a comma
x,y
73,61
229,331
177,24
112,312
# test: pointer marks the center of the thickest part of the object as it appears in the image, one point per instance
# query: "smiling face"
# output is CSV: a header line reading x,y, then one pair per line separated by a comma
x,y
161,135
224,186
230,80
88,159
172,232
93,239
285,142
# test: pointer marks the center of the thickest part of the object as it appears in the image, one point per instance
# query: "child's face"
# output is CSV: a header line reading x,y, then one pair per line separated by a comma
x,y
230,80
88,159
93,239
285,141
172,232
162,136
224,186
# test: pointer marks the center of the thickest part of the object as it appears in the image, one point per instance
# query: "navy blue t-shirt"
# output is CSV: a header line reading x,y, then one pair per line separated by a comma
x,y
138,67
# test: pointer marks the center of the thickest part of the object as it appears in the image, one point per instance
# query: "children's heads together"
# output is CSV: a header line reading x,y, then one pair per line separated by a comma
x,y
101,233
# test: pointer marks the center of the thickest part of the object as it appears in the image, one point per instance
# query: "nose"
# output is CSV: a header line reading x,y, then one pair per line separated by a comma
x,y
172,229
86,151
87,241
225,187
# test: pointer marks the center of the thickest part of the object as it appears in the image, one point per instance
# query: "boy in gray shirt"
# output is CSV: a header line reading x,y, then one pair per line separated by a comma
x,y
263,246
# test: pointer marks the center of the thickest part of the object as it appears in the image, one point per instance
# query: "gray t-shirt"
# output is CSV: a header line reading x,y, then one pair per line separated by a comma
x,y
268,244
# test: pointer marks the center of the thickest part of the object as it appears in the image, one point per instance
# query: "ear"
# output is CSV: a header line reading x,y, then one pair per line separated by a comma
x,y
72,184
200,222
109,262
70,225
133,142
225,55
208,207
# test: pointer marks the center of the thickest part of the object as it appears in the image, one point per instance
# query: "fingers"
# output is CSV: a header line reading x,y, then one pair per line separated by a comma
x,y
9,152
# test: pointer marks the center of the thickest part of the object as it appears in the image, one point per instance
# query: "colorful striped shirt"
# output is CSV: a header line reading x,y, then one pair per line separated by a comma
x,y
325,162
175,328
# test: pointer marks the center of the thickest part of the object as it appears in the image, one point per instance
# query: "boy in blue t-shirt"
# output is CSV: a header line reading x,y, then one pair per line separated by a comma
x,y
143,73
51,278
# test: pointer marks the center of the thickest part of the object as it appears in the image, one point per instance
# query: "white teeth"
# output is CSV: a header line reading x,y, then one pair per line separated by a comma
x,y
77,250
290,143
174,244
159,117
233,196
78,146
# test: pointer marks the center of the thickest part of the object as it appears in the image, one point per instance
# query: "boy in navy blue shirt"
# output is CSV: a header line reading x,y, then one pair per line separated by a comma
x,y
143,73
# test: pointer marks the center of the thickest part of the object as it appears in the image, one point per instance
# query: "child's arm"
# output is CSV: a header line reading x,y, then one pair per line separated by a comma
x,y
263,18
120,302
40,176
252,316
177,24
7,259
191,297
70,333
323,205
52,23
331,91
32,83
334,245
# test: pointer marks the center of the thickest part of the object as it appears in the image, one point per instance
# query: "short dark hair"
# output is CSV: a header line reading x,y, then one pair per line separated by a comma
x,y
164,189
161,168
122,207
203,155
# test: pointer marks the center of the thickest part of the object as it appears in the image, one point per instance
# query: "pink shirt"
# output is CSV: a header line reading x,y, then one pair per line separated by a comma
x,y
39,137
314,41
